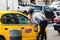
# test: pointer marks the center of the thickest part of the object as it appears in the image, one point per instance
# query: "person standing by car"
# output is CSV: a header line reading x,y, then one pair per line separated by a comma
x,y
42,23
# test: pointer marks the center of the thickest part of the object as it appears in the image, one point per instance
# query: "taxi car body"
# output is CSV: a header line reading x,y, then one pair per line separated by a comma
x,y
15,26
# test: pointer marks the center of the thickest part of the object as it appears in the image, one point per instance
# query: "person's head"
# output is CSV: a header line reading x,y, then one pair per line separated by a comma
x,y
31,11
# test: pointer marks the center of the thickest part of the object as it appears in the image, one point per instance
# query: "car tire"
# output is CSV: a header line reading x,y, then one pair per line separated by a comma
x,y
59,31
25,12
39,37
1,38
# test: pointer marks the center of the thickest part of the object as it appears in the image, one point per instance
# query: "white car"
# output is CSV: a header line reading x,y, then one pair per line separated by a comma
x,y
23,8
56,21
55,5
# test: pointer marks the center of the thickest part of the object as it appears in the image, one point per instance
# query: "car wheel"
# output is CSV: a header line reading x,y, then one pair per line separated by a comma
x,y
40,37
25,12
1,38
59,31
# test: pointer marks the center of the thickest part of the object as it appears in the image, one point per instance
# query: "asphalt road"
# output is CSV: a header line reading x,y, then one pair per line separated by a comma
x,y
52,34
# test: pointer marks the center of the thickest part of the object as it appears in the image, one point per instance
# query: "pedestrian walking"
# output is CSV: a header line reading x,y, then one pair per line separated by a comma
x,y
39,18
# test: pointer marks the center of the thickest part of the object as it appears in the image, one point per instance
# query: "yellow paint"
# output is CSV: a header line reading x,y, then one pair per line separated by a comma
x,y
25,36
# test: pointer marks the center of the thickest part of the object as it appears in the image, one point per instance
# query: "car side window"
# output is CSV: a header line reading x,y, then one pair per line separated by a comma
x,y
8,19
14,19
22,19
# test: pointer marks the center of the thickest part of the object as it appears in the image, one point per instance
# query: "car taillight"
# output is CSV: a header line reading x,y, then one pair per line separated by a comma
x,y
28,30
56,20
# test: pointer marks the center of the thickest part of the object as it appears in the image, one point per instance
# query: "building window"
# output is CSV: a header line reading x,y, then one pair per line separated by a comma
x,y
19,1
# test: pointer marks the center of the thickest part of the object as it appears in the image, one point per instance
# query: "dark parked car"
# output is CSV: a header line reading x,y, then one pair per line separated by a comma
x,y
56,20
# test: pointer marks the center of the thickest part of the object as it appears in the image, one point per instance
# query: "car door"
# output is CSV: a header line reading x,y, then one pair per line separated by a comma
x,y
10,28
20,26
27,29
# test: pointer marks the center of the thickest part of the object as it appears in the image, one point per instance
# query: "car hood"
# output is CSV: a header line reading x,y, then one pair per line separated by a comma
x,y
53,6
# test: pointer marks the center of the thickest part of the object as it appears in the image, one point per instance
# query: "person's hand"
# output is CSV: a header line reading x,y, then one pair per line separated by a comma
x,y
30,20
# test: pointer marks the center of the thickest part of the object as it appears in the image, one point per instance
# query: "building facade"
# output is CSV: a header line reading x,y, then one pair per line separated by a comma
x,y
38,2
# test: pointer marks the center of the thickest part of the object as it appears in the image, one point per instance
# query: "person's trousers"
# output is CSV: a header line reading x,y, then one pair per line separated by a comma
x,y
43,25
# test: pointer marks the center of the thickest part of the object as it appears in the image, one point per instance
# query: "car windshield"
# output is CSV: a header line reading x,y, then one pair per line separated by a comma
x,y
55,3
37,8
46,8
14,19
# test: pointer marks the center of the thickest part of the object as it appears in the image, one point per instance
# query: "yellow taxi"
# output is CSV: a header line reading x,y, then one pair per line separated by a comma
x,y
16,26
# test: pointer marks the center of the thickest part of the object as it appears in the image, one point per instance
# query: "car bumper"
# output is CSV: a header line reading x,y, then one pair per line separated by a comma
x,y
56,26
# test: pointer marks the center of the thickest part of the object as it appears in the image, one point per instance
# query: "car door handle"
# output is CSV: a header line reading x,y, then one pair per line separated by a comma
x,y
22,27
6,28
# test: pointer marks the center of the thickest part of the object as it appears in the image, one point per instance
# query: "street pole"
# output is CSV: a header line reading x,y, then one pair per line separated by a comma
x,y
7,5
12,5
